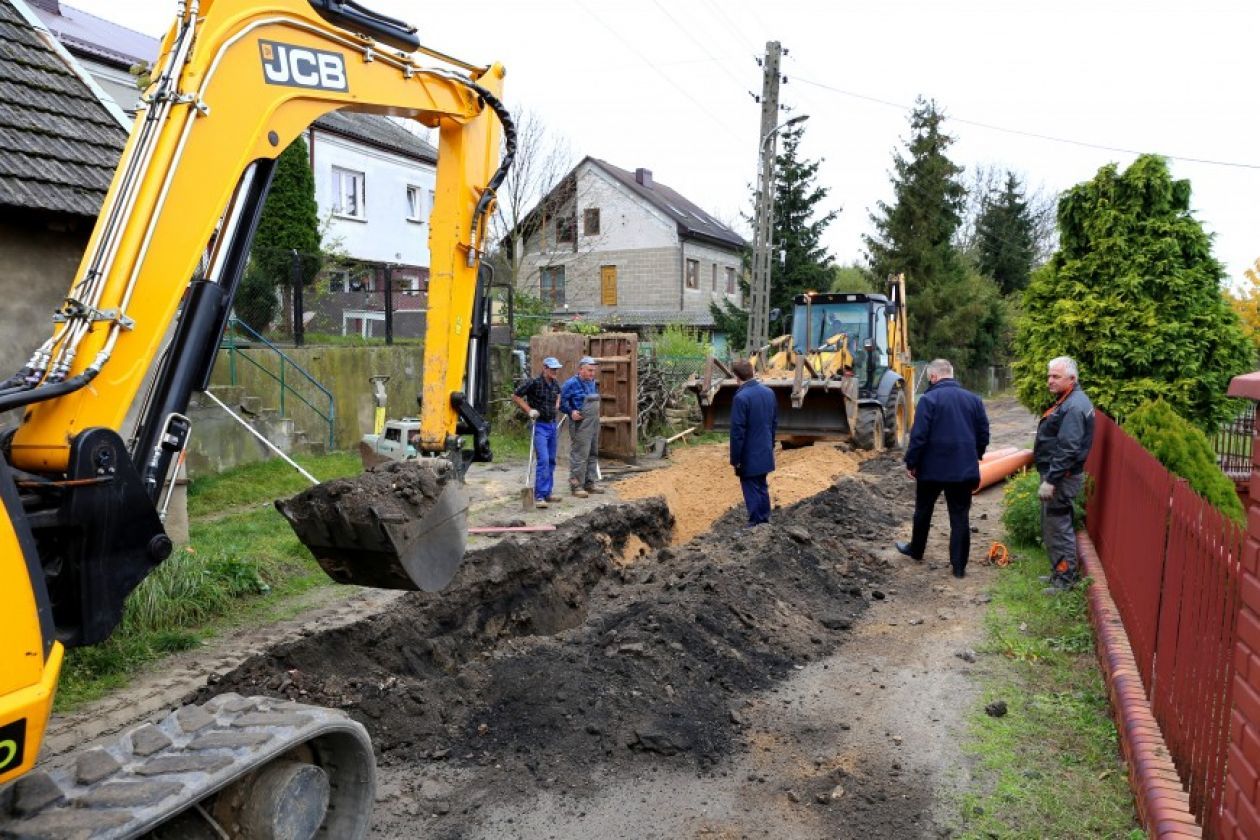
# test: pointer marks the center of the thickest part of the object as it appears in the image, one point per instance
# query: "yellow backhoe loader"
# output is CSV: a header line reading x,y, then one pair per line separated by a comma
x,y
842,372
82,486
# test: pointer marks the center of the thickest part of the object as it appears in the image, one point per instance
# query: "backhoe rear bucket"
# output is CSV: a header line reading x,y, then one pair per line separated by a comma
x,y
400,525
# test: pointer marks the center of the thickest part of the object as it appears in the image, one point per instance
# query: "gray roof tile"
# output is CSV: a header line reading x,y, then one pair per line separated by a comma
x,y
58,143
377,131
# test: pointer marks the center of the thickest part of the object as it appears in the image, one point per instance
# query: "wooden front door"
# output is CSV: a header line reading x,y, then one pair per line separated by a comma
x,y
608,285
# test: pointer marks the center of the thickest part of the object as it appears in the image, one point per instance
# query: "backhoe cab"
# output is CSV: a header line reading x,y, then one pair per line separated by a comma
x,y
842,372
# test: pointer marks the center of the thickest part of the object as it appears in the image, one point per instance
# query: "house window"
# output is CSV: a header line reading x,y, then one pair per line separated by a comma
x,y
348,193
693,274
590,221
417,210
565,230
730,280
551,285
337,280
715,277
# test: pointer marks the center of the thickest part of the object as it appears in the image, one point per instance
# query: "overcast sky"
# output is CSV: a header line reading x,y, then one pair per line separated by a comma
x,y
666,85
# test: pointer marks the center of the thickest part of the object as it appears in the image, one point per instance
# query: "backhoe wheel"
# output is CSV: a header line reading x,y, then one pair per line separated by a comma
x,y
869,433
897,433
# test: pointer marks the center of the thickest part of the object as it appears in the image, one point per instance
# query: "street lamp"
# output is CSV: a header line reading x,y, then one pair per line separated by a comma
x,y
763,240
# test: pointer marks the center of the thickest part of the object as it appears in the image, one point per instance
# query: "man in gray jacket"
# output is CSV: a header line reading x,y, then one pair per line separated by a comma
x,y
1064,437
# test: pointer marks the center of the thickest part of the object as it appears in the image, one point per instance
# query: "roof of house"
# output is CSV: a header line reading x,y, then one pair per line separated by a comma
x,y
95,37
61,144
377,131
692,221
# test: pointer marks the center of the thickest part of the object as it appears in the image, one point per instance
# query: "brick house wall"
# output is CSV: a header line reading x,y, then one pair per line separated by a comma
x,y
636,239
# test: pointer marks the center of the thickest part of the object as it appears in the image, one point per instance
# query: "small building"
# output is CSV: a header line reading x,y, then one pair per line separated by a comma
x,y
620,248
61,142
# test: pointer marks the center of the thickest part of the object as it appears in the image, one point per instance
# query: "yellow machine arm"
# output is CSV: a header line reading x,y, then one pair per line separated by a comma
x,y
237,82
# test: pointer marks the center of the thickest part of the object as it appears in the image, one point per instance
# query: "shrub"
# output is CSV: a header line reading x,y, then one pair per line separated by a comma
x,y
679,340
1021,512
1186,451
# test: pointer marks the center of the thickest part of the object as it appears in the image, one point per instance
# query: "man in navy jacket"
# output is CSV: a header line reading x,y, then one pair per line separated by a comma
x,y
949,436
754,418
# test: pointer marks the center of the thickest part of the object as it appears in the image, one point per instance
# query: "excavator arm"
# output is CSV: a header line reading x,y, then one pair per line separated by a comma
x,y
104,398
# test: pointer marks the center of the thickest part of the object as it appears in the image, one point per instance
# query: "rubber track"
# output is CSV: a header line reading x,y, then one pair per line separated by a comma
x,y
130,784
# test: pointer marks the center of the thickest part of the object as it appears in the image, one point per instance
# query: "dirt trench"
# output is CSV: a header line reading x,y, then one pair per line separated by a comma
x,y
558,666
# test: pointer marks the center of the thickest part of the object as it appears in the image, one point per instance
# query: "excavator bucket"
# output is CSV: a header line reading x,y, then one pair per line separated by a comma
x,y
399,525
818,410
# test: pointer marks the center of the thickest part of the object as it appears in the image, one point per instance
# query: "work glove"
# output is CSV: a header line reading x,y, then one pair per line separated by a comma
x,y
1046,491
533,414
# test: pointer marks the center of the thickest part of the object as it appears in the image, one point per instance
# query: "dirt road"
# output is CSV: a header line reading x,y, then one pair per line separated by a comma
x,y
799,680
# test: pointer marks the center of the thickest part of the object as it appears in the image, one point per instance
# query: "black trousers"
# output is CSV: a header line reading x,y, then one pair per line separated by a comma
x,y
958,501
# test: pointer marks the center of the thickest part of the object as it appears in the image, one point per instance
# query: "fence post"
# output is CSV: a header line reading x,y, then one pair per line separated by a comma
x,y
389,304
295,278
1240,811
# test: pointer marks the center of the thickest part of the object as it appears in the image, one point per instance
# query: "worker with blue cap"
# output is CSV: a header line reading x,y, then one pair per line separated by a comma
x,y
540,399
579,402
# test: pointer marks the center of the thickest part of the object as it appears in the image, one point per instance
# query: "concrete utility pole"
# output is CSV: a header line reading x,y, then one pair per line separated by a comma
x,y
759,288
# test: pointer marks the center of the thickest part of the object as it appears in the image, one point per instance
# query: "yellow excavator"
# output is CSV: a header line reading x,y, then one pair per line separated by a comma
x,y
842,372
104,417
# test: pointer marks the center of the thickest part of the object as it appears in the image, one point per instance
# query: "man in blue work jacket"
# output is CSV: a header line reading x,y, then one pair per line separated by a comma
x,y
947,441
580,401
754,418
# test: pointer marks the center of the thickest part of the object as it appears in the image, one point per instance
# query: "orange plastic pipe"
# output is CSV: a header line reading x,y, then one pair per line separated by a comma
x,y
991,472
994,454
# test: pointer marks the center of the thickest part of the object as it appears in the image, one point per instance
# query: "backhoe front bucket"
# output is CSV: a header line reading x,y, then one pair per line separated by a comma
x,y
828,410
400,525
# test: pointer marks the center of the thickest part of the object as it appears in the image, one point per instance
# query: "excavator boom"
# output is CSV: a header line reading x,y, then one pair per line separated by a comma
x,y
237,81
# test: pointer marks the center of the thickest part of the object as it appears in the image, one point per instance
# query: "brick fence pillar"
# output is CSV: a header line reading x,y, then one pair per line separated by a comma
x,y
1240,814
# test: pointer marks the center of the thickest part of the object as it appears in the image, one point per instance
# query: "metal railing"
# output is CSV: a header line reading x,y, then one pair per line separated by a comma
x,y
288,370
1232,445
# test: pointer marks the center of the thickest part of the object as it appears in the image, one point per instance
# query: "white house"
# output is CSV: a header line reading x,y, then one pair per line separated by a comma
x,y
374,183
619,247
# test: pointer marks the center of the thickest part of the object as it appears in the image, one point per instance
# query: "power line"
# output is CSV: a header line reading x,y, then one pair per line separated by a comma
x,y
658,71
695,41
1050,138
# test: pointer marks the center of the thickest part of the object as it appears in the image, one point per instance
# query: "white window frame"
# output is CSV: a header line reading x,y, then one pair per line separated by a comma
x,y
418,210
351,184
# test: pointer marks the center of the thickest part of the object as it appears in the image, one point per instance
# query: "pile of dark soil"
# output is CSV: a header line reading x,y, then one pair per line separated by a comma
x,y
554,657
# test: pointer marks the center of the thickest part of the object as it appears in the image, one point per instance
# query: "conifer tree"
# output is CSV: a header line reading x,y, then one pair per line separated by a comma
x,y
953,313
1005,237
1134,295
289,222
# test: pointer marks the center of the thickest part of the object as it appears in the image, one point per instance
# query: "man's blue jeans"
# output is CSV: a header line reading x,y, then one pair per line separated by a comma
x,y
545,452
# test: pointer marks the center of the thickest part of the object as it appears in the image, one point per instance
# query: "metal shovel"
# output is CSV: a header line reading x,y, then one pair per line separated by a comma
x,y
527,492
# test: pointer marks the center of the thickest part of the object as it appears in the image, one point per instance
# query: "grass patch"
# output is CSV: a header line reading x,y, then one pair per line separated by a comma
x,y
1051,767
261,482
237,566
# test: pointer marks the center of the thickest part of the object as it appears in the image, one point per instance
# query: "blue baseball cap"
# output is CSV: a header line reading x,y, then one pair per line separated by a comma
x,y
552,362
586,360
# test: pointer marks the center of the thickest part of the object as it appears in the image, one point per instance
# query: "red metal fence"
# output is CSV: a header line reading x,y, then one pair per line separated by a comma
x,y
1172,562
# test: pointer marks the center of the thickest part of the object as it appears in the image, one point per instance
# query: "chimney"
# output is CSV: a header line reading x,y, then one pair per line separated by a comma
x,y
643,177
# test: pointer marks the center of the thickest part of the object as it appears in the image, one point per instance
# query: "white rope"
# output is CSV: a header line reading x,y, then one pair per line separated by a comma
x,y
312,479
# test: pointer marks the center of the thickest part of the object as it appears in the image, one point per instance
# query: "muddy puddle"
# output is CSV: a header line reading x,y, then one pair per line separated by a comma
x,y
566,658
